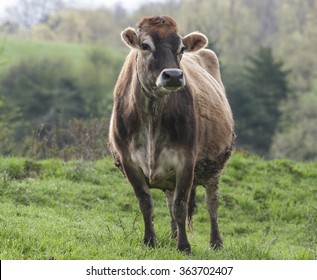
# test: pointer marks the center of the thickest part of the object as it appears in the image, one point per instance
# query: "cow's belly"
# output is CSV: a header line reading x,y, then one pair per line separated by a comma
x,y
158,166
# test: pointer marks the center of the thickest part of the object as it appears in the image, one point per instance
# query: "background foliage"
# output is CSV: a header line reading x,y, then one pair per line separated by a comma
x,y
62,65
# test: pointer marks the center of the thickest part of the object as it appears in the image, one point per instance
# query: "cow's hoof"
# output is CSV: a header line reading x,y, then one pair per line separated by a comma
x,y
185,249
216,245
150,241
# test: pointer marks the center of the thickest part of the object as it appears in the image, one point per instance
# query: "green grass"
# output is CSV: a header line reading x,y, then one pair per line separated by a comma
x,y
86,210
14,50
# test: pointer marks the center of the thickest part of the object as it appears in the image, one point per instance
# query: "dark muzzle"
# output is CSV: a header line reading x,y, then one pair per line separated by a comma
x,y
171,78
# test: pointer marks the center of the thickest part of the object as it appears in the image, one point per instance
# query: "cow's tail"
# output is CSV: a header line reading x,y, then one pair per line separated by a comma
x,y
192,207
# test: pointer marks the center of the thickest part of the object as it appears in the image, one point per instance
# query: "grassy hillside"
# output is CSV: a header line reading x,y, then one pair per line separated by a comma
x,y
83,210
14,50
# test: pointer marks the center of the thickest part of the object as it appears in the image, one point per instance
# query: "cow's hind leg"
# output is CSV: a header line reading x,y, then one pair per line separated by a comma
x,y
212,201
212,196
169,201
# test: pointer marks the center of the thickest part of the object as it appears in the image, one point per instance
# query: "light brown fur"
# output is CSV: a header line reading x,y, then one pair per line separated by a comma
x,y
213,110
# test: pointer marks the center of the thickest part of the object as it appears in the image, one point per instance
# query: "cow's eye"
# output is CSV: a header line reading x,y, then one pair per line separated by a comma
x,y
182,50
145,47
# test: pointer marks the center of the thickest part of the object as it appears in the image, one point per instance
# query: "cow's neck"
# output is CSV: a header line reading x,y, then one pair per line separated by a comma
x,y
149,112
155,106
147,106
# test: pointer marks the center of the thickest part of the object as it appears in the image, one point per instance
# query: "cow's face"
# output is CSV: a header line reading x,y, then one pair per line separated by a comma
x,y
159,51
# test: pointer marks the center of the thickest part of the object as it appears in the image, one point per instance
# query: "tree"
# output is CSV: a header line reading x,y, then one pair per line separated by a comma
x,y
256,105
29,12
35,90
43,92
297,135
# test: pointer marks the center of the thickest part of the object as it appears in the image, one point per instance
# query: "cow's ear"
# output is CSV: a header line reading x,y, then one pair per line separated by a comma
x,y
195,41
130,38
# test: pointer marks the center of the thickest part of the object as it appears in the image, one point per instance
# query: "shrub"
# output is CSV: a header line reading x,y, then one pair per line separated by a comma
x,y
76,139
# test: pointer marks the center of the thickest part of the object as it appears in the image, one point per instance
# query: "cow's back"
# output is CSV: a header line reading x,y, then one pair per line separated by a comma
x,y
214,116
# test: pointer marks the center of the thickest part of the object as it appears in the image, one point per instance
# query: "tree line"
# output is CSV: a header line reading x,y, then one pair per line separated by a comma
x,y
266,49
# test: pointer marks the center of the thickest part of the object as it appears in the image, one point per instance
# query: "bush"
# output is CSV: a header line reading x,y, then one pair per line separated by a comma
x,y
37,88
297,136
76,139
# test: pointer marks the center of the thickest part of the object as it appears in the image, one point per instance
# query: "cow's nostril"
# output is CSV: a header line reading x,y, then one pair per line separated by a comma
x,y
166,76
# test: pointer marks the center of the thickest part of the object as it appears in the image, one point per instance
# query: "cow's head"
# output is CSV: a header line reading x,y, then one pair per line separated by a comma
x,y
159,51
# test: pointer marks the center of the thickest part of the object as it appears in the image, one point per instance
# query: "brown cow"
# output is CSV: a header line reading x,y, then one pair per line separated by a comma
x,y
171,126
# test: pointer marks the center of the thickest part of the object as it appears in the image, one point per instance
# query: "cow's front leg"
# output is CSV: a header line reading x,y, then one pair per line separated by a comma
x,y
142,192
184,183
146,206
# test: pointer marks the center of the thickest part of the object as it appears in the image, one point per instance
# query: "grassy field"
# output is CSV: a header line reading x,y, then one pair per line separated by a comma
x,y
14,50
86,210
